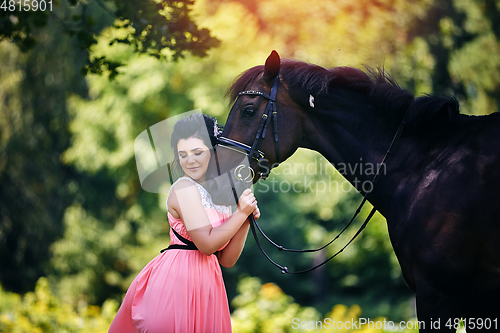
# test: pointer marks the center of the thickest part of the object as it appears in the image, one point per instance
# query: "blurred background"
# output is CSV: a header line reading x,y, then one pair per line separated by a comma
x,y
79,82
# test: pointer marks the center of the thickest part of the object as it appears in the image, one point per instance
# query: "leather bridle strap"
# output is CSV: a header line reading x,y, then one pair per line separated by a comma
x,y
262,129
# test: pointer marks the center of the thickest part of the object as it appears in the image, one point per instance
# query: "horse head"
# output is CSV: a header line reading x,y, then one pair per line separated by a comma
x,y
262,109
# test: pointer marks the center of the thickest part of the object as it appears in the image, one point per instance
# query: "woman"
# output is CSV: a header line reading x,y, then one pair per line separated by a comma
x,y
182,290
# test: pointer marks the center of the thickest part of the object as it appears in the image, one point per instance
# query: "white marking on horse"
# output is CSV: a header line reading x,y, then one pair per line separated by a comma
x,y
311,100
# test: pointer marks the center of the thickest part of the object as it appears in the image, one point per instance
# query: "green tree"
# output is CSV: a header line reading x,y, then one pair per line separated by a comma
x,y
34,188
158,28
456,39
117,227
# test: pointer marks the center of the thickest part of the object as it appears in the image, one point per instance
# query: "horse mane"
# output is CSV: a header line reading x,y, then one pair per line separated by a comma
x,y
424,112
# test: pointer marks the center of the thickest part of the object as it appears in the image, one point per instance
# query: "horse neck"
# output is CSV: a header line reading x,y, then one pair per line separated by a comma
x,y
355,141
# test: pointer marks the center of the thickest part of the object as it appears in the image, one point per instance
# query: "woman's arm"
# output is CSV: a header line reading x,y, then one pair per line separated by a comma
x,y
231,253
185,201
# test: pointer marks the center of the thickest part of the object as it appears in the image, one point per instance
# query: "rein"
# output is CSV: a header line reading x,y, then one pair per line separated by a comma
x,y
284,269
261,132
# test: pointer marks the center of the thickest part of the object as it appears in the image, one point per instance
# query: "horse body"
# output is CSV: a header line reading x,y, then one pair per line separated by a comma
x,y
444,220
437,190
437,194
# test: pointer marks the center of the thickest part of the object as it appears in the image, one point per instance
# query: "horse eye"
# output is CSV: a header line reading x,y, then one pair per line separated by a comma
x,y
249,111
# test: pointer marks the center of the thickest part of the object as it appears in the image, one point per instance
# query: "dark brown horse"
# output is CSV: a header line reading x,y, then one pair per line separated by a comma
x,y
439,191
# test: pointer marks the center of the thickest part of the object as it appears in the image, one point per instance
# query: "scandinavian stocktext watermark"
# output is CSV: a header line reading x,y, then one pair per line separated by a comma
x,y
395,326
319,176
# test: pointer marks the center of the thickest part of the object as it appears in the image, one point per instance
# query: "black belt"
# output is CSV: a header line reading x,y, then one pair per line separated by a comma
x,y
188,245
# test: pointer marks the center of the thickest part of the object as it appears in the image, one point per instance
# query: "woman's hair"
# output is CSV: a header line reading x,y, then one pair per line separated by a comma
x,y
197,125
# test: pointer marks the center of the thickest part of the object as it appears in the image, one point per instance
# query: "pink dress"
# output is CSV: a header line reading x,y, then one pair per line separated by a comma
x,y
179,291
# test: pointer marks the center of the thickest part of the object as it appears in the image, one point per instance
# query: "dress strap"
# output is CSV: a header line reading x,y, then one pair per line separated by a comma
x,y
188,244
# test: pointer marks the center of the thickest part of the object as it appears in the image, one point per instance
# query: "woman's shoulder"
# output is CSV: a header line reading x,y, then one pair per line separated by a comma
x,y
183,183
183,189
187,185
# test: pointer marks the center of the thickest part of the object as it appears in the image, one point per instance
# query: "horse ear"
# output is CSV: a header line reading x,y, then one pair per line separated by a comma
x,y
272,66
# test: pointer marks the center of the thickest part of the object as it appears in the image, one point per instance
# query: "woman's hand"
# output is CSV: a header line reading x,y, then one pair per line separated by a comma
x,y
256,213
247,202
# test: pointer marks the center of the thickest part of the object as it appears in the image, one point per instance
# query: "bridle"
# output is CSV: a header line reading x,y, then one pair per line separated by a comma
x,y
270,112
254,153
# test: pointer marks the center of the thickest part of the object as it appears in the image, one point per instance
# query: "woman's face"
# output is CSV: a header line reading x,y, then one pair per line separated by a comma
x,y
194,157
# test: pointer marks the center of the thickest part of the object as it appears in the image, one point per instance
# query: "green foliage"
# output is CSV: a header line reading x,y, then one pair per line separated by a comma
x,y
264,308
20,26
41,311
460,36
85,259
157,28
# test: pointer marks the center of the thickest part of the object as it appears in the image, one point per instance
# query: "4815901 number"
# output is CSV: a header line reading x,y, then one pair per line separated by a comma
x,y
26,5
474,323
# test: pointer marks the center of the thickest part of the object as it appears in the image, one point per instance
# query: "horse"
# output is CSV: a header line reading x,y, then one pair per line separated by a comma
x,y
437,191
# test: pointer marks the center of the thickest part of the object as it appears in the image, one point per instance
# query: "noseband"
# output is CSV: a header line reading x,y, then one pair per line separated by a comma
x,y
253,151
